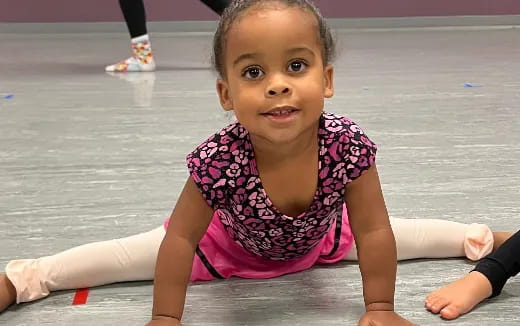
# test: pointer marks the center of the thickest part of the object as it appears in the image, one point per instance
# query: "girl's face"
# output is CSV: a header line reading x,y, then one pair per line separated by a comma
x,y
276,81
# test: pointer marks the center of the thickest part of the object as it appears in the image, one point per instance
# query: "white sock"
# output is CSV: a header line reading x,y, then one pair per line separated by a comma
x,y
141,59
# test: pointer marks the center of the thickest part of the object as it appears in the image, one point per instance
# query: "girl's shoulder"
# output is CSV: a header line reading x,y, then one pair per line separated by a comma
x,y
221,146
218,161
346,146
342,129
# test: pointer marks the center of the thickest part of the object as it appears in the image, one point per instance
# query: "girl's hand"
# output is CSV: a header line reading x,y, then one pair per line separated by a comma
x,y
164,321
383,318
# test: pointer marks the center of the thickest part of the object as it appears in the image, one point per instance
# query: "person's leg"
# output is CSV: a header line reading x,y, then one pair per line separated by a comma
x,y
486,280
217,6
127,259
135,17
434,238
142,56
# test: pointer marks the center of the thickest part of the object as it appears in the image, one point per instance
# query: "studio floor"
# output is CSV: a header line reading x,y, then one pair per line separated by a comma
x,y
87,156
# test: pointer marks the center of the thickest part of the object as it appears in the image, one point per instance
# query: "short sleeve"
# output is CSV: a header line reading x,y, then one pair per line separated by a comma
x,y
359,152
205,169
213,165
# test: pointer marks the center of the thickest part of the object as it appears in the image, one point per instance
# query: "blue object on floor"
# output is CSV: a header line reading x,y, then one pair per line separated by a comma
x,y
8,96
469,85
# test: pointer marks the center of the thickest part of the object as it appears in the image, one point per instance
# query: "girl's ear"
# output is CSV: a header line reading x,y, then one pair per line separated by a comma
x,y
223,93
328,75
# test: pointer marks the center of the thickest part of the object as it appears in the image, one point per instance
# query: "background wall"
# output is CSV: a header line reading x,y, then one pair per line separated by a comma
x,y
108,10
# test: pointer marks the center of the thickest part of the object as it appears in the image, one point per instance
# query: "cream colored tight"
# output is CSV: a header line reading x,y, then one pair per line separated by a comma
x,y
133,258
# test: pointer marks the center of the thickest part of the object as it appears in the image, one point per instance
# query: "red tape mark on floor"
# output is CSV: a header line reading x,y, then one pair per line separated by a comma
x,y
80,297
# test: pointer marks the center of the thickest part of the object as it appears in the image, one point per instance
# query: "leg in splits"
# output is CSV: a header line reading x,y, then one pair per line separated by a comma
x,y
120,260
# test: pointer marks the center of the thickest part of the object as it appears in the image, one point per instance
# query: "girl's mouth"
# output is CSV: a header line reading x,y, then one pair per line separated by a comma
x,y
281,112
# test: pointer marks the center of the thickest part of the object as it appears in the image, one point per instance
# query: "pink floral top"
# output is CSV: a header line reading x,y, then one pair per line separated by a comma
x,y
224,169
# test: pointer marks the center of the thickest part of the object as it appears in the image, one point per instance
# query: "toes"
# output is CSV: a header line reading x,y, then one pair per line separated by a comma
x,y
452,311
428,303
436,304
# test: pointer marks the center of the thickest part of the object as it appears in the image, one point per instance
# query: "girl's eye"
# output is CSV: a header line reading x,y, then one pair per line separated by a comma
x,y
253,73
297,66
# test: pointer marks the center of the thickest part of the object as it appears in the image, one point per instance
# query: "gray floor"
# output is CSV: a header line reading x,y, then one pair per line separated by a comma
x,y
86,156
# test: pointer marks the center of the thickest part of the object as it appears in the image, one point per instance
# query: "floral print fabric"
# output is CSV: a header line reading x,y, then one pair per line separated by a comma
x,y
224,169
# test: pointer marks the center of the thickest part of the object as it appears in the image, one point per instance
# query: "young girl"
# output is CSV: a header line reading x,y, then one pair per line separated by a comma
x,y
485,281
284,188
135,18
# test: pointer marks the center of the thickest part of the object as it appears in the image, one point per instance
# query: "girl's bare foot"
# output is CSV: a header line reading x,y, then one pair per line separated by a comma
x,y
459,297
7,292
499,238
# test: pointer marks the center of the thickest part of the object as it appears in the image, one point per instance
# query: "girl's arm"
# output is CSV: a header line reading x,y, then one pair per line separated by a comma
x,y
375,241
189,221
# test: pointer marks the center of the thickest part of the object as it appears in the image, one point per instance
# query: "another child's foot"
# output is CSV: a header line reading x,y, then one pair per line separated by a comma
x,y
7,292
459,297
132,64
141,59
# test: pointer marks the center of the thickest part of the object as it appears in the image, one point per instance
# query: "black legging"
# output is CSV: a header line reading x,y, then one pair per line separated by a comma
x,y
135,15
502,264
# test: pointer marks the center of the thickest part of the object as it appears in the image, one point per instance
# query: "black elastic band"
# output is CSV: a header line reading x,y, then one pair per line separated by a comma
x,y
208,265
337,234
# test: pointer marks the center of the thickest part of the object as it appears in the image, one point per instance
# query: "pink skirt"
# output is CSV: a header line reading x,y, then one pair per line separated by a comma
x,y
218,256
